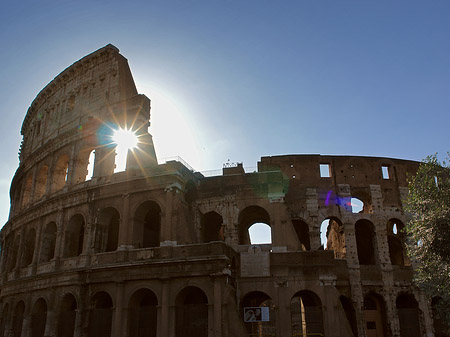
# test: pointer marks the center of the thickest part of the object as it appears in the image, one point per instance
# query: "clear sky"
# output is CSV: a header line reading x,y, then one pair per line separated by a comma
x,y
237,80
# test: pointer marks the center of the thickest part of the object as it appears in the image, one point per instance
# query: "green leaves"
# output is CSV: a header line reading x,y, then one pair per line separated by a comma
x,y
429,230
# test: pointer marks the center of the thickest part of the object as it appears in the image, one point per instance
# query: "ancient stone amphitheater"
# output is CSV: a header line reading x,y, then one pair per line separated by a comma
x,y
162,250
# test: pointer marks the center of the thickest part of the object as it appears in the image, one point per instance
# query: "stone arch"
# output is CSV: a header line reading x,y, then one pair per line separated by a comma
x,y
100,315
408,315
147,224
396,237
74,236
191,313
302,231
248,217
335,236
67,316
375,315
17,321
60,172
142,314
107,235
364,198
38,318
251,301
28,248
48,242
41,182
27,189
12,254
306,314
212,227
84,165
365,242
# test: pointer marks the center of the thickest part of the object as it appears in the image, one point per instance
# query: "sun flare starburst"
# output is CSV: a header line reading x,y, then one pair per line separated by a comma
x,y
125,139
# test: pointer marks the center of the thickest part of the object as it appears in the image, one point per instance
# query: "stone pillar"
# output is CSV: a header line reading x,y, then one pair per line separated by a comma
x,y
166,237
118,313
217,307
126,224
71,166
59,242
164,314
283,324
20,251
50,325
37,247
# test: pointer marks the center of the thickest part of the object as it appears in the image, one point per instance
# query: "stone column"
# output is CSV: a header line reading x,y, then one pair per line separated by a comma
x,y
126,224
164,314
166,238
217,307
118,313
283,325
59,241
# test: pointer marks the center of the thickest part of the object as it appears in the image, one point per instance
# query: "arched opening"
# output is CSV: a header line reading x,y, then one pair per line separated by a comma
x,y
107,235
332,237
258,314
396,238
4,320
90,165
73,237
191,313
365,242
357,205
38,318
212,225
396,251
26,195
142,314
306,314
41,182
48,242
28,248
260,233
84,165
349,313
147,224
247,218
60,172
12,254
67,316
100,315
17,323
12,250
408,315
375,316
302,231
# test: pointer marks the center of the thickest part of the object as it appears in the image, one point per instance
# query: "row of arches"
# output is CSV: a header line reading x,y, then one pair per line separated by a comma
x,y
72,238
191,314
306,315
52,177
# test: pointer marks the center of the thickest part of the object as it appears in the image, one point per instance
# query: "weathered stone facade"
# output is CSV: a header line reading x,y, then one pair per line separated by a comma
x,y
161,250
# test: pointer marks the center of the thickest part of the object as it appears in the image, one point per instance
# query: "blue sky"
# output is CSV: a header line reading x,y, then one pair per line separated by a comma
x,y
237,80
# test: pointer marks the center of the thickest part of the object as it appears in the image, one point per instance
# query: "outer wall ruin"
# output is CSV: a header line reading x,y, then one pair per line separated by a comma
x,y
161,250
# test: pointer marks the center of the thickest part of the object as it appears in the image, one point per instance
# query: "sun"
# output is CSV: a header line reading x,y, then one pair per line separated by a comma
x,y
125,140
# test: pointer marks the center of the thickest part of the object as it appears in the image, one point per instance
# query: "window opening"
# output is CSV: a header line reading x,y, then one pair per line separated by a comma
x,y
90,166
357,205
260,233
325,171
394,229
385,171
323,232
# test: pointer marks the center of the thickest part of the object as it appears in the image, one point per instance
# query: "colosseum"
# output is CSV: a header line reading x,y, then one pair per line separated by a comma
x,y
159,249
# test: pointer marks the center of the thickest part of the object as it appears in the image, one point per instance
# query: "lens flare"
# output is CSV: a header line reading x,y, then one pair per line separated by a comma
x,y
125,139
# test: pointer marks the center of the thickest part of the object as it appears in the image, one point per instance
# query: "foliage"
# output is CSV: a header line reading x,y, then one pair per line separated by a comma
x,y
429,230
